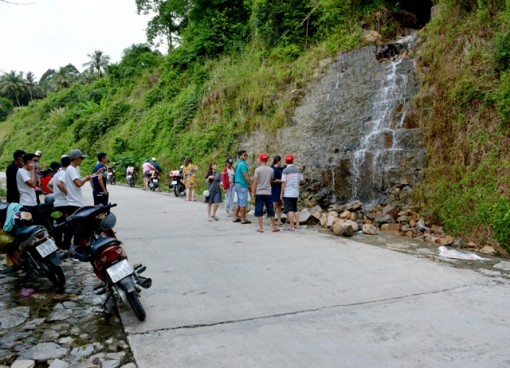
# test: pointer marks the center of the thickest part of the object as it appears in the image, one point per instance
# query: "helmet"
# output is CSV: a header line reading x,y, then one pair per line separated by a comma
x,y
22,218
108,222
153,159
38,153
49,198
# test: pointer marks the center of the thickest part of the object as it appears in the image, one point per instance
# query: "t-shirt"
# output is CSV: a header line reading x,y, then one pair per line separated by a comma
x,y
12,183
241,168
146,167
264,175
26,192
58,195
74,195
291,176
96,188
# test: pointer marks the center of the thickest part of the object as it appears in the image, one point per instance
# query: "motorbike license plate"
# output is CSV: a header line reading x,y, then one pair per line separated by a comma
x,y
155,180
174,182
46,248
120,270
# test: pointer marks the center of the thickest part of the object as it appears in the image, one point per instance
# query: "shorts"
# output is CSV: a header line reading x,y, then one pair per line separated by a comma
x,y
260,201
289,204
146,174
242,195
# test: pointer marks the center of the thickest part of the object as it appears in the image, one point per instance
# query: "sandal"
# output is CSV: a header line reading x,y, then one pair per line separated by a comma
x,y
214,217
260,230
246,222
275,230
237,220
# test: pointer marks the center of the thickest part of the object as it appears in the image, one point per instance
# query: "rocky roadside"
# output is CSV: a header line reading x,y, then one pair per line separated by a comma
x,y
43,327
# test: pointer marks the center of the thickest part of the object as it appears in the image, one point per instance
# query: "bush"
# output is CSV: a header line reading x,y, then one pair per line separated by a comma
x,y
501,222
6,107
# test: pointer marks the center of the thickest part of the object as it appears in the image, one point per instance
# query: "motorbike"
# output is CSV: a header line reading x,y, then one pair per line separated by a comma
x,y
110,175
131,178
31,248
154,181
176,183
95,242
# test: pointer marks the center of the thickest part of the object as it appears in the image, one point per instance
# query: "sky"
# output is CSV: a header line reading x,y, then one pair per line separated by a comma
x,y
52,33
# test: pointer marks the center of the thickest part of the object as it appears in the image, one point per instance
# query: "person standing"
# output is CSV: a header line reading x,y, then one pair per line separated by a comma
x,y
73,181
189,176
26,181
262,188
57,186
147,170
242,183
291,177
276,188
213,179
227,179
99,191
10,173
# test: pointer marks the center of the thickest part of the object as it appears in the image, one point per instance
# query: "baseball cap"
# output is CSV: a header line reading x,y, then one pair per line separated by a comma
x,y
289,158
38,153
229,161
263,157
153,159
76,153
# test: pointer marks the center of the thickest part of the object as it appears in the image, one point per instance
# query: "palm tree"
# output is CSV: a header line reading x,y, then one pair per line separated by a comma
x,y
98,62
12,85
63,78
30,84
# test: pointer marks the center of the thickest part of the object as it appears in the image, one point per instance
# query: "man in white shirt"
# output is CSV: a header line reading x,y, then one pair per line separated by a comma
x,y
73,182
26,182
291,178
57,186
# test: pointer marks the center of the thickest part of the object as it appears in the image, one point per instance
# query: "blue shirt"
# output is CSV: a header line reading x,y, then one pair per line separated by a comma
x,y
95,182
241,168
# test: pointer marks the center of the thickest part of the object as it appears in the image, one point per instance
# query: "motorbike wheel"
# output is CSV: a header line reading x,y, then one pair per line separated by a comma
x,y
136,305
54,274
176,191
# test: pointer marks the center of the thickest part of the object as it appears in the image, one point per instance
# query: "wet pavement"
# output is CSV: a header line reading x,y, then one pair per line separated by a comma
x,y
45,327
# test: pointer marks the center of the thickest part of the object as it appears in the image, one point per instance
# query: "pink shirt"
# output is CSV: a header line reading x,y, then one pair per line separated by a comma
x,y
147,167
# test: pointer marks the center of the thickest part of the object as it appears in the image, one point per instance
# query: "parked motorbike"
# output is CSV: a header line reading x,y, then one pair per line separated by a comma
x,y
131,178
110,175
31,248
96,243
154,181
176,183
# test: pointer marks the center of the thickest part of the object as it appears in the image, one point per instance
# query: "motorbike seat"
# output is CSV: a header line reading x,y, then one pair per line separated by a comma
x,y
103,243
22,232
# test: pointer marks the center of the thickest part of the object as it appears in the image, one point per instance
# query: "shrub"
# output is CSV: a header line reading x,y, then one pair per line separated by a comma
x,y
501,222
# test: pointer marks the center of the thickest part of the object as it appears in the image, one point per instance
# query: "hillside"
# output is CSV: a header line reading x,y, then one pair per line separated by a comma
x,y
202,100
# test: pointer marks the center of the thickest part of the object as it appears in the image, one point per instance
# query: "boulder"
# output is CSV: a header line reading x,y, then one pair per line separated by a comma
x,y
371,36
340,227
331,218
370,229
393,229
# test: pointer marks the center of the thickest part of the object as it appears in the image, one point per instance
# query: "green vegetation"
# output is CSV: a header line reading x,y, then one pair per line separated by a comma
x,y
232,68
465,118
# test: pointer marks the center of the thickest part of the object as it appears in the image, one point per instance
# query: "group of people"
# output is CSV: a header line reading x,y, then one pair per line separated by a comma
x,y
274,187
65,184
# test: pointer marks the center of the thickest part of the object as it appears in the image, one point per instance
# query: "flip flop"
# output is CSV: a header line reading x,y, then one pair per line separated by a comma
x,y
238,220
246,222
260,231
275,230
214,217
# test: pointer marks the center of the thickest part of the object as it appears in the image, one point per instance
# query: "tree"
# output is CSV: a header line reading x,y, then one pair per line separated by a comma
x,y
12,85
30,84
64,77
98,62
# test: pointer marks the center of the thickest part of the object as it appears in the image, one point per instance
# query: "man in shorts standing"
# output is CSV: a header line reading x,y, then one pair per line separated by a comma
x,y
291,177
262,188
243,181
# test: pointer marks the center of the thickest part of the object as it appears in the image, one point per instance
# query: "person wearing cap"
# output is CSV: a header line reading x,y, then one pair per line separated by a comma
x,y
261,186
155,165
99,191
242,183
291,177
227,179
73,181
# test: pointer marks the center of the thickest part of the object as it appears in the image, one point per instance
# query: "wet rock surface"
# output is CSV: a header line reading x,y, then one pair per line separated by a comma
x,y
41,326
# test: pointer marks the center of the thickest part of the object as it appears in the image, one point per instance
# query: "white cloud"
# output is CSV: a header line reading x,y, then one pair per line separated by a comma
x,y
52,33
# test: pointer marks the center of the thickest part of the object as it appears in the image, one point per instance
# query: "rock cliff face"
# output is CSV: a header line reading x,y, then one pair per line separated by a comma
x,y
354,132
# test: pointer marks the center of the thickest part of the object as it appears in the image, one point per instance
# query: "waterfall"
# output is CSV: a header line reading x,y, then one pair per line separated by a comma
x,y
379,150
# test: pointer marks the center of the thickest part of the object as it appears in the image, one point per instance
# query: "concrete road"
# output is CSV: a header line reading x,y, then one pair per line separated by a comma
x,y
224,295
